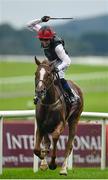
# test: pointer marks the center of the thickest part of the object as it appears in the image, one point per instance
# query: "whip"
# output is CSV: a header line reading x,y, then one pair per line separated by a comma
x,y
61,18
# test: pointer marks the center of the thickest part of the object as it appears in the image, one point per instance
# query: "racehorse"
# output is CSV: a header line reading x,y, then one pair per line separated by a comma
x,y
53,113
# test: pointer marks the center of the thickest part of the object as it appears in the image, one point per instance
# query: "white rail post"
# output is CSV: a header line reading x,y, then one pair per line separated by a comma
x,y
35,162
1,143
103,150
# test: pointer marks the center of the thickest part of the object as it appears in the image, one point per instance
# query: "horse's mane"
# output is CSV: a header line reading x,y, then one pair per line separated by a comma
x,y
45,61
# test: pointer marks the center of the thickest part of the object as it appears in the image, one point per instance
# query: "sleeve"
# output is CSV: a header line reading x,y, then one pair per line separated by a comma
x,y
34,25
66,61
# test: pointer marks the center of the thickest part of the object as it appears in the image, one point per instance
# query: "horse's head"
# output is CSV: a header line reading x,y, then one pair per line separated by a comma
x,y
44,78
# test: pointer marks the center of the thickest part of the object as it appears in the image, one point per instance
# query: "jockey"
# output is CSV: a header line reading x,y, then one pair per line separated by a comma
x,y
54,50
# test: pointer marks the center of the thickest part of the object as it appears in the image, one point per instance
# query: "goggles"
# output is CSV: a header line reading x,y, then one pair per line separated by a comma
x,y
42,39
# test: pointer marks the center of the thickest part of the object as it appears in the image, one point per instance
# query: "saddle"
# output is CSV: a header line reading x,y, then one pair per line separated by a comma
x,y
70,101
64,93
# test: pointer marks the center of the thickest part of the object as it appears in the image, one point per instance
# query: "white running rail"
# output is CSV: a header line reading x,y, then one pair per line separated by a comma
x,y
31,113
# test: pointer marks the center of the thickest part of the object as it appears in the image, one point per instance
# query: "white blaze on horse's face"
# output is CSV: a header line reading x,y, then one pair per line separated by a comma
x,y
42,74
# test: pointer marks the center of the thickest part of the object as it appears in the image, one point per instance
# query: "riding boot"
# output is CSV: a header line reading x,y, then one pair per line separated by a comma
x,y
65,86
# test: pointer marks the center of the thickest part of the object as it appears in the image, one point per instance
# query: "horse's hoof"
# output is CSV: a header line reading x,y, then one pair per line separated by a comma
x,y
44,167
52,166
63,172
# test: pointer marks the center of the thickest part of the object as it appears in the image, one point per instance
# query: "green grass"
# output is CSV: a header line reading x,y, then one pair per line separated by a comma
x,y
9,69
20,95
17,103
96,102
76,173
78,68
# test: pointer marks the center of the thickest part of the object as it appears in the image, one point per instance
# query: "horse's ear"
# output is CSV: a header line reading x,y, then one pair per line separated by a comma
x,y
37,61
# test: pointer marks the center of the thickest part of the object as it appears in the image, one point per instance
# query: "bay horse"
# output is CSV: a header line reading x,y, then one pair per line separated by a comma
x,y
53,113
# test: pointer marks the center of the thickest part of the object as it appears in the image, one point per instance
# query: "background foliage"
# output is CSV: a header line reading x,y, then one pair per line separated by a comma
x,y
82,37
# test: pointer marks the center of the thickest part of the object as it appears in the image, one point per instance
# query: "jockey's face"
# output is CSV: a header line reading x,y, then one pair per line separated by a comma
x,y
45,42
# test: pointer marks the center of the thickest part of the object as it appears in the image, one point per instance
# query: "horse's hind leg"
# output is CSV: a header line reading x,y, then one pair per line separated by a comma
x,y
72,129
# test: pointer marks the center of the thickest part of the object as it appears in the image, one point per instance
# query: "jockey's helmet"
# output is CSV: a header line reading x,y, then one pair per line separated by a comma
x,y
46,32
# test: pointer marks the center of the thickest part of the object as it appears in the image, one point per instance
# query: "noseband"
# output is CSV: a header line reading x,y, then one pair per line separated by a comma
x,y
49,78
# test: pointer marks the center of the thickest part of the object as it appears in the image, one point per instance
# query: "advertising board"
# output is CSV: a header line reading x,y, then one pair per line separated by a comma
x,y
18,143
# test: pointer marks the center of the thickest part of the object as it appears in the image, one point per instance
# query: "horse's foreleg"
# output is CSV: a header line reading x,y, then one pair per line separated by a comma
x,y
53,164
44,164
37,148
55,137
46,147
47,143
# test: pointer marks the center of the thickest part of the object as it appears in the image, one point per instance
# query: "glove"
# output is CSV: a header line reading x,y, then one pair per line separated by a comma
x,y
45,18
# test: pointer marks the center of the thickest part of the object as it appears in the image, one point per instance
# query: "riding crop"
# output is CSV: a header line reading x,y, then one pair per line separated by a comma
x,y
59,18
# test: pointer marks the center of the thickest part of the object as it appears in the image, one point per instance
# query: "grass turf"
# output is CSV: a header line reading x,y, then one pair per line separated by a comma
x,y
20,95
75,173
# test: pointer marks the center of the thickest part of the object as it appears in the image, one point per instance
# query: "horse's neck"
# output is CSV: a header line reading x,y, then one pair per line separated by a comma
x,y
51,95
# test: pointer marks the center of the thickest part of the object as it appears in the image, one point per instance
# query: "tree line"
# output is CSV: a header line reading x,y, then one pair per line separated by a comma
x,y
23,42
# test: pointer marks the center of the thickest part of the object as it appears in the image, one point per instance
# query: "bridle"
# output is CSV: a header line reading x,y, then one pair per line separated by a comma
x,y
44,82
48,85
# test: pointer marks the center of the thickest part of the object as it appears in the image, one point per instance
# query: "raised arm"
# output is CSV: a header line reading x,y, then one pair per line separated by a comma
x,y
35,24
